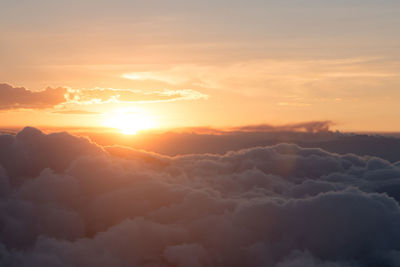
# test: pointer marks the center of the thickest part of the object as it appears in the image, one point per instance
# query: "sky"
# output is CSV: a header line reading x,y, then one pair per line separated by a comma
x,y
163,64
256,178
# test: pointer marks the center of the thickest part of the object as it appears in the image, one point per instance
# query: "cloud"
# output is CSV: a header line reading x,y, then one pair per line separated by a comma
x,y
309,79
61,98
293,104
65,201
210,140
19,97
154,76
110,95
311,127
35,150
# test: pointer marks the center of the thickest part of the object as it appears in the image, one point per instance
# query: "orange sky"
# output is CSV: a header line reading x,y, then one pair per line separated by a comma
x,y
191,64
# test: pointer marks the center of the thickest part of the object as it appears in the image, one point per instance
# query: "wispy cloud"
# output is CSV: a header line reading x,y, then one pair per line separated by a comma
x,y
162,77
111,95
58,98
76,112
333,77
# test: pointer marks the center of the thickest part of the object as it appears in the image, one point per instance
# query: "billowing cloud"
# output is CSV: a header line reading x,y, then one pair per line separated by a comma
x,y
65,201
21,98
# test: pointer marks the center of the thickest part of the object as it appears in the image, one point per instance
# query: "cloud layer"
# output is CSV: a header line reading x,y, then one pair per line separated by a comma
x,y
65,201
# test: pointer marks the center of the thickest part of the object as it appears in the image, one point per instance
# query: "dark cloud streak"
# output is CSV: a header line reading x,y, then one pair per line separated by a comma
x,y
21,98
311,127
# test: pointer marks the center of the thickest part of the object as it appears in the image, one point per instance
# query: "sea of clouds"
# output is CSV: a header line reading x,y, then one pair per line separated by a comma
x,y
65,201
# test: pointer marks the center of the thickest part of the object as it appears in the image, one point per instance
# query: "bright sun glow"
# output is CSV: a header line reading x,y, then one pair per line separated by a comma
x,y
129,122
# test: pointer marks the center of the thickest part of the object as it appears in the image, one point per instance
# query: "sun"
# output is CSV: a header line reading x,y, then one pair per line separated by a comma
x,y
129,122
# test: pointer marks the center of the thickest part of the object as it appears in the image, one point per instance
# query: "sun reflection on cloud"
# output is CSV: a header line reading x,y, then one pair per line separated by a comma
x,y
156,76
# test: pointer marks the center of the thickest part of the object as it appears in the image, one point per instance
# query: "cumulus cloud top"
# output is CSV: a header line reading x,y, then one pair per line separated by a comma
x,y
65,201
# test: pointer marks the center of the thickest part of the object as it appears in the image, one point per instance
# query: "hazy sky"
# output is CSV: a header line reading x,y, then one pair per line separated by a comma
x,y
189,63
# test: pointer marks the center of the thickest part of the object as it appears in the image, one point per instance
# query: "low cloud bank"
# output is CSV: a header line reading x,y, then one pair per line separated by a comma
x,y
65,201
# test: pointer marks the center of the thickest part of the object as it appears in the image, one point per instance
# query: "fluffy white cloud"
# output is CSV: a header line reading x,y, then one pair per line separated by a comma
x,y
65,201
